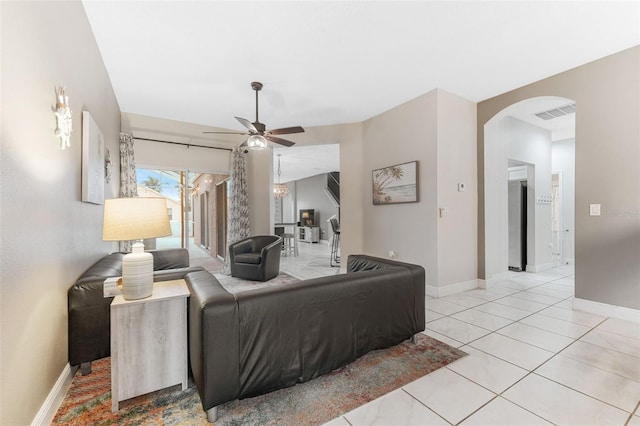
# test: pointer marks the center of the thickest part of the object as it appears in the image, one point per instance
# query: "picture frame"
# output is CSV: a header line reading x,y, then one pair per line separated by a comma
x,y
93,166
395,184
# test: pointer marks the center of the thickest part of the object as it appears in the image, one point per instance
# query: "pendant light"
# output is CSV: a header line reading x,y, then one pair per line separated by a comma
x,y
280,190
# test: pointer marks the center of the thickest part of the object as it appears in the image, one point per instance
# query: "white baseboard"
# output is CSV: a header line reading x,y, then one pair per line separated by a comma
x,y
450,289
541,268
606,310
490,282
50,405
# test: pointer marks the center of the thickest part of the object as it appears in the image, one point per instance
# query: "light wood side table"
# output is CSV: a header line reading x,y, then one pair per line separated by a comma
x,y
149,342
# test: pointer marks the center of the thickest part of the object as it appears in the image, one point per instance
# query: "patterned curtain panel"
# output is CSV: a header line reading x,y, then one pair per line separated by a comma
x,y
128,180
238,217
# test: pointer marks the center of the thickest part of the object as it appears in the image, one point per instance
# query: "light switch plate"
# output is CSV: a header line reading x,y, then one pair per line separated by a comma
x,y
444,211
461,187
594,209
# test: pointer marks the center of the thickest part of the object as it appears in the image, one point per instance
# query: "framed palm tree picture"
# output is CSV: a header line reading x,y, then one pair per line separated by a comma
x,y
396,184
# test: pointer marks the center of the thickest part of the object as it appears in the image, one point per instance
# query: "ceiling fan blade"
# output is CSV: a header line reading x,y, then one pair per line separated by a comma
x,y
280,140
243,143
246,123
287,130
228,133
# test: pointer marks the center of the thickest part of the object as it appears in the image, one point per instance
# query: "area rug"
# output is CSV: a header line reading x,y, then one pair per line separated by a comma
x,y
315,402
236,285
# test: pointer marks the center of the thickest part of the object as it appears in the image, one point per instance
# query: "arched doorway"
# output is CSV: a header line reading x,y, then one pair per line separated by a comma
x,y
529,158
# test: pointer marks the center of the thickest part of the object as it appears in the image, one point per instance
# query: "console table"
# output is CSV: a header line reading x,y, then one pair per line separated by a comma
x,y
309,234
149,342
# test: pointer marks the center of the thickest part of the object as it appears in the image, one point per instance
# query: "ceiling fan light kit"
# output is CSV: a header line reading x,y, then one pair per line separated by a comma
x,y
257,142
258,135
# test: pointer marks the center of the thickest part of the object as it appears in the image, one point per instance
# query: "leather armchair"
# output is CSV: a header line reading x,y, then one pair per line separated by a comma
x,y
256,258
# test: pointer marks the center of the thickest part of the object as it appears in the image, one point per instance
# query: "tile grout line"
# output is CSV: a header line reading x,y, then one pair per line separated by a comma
x,y
422,403
557,353
499,395
530,372
632,414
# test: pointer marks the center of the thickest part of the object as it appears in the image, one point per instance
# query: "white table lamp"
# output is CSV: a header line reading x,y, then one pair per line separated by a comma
x,y
137,218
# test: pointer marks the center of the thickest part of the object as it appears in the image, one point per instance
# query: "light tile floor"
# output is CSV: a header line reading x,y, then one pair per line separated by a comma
x,y
532,359
312,261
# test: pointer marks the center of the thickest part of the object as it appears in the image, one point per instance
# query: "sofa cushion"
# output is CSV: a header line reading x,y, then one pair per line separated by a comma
x,y
174,274
365,263
291,334
108,266
251,258
169,259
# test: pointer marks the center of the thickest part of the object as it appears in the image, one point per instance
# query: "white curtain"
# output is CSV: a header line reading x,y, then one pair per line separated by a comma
x,y
128,180
238,217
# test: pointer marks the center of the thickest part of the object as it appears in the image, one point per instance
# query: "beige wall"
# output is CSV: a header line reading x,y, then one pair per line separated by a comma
x,y
405,133
260,182
352,188
607,95
157,155
457,157
437,130
45,44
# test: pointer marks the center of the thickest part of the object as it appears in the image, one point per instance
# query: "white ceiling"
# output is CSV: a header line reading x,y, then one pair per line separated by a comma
x,y
328,63
299,162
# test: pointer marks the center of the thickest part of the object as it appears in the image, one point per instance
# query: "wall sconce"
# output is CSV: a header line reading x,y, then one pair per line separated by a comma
x,y
64,125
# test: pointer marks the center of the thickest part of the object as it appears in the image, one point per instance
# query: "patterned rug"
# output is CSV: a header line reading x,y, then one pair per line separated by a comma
x,y
88,401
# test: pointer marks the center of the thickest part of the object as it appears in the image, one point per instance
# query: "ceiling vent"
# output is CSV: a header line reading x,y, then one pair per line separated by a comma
x,y
557,112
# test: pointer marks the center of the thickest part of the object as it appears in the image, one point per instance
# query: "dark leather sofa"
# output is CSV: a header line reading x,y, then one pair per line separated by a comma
x,y
256,258
254,342
89,325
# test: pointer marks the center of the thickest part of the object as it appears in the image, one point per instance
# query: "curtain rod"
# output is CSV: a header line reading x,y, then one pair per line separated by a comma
x,y
188,145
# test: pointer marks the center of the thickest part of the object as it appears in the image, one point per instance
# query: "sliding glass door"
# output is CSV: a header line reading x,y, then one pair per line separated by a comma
x,y
169,185
197,208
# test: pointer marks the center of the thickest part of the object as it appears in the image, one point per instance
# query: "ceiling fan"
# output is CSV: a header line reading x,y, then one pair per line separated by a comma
x,y
258,135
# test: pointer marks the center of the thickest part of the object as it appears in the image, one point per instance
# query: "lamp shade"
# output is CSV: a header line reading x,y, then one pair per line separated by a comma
x,y
135,219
